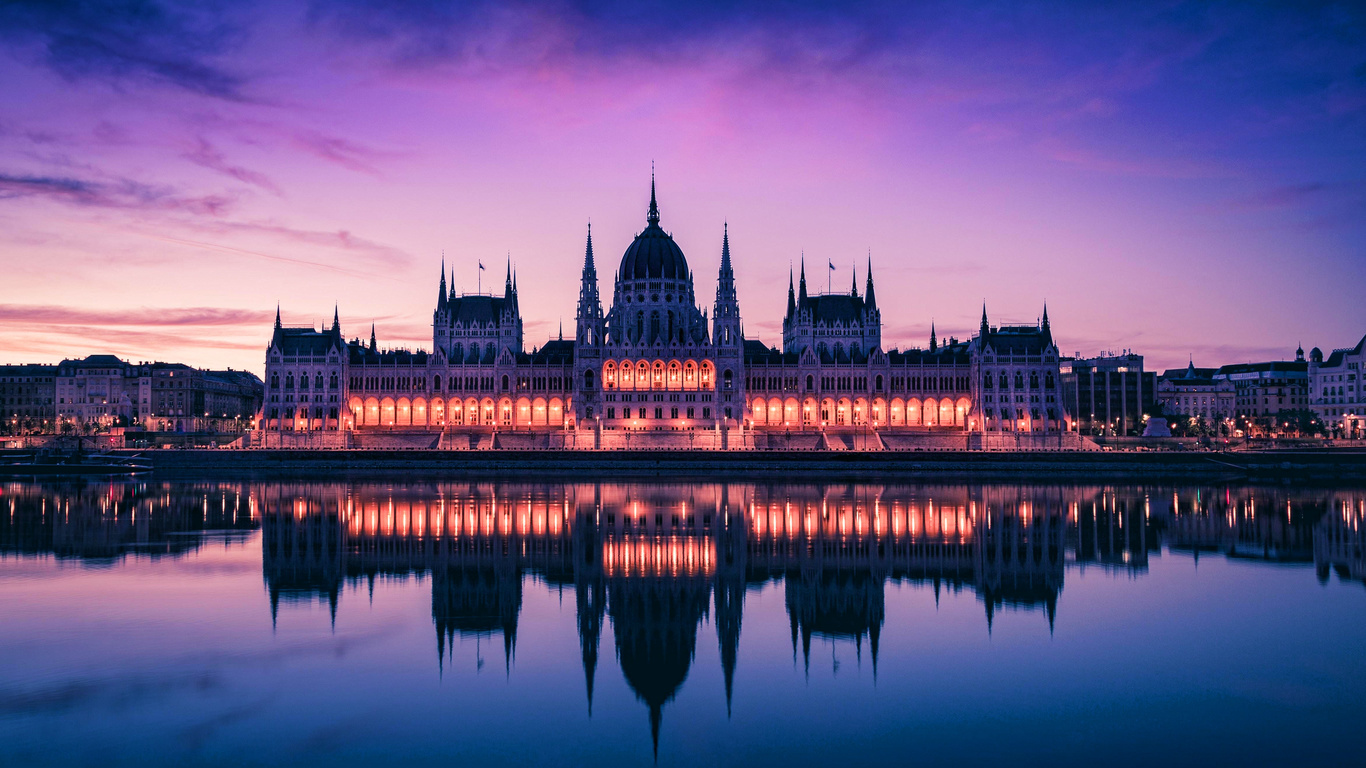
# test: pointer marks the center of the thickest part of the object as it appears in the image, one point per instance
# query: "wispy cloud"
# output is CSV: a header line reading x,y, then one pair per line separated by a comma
x,y
117,193
208,156
333,149
145,316
123,41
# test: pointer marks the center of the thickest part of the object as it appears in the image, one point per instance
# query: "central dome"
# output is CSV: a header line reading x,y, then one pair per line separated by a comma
x,y
653,255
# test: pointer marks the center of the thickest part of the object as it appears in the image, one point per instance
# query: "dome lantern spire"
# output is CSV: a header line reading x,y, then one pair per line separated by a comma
x,y
653,216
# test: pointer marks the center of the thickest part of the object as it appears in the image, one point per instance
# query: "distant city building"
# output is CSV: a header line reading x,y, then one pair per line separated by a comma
x,y
27,397
1337,393
1195,393
98,389
1016,376
1108,394
1268,389
106,391
186,399
656,361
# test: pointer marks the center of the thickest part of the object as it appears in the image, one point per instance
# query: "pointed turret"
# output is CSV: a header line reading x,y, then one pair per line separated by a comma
x,y
1044,324
869,300
791,296
726,318
507,282
984,329
853,281
589,314
443,295
336,320
934,341
277,317
374,345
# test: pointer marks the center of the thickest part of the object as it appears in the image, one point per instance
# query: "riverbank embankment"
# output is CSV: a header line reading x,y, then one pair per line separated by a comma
x,y
1333,466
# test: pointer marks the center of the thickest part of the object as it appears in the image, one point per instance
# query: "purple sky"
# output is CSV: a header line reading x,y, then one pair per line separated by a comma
x,y
1174,178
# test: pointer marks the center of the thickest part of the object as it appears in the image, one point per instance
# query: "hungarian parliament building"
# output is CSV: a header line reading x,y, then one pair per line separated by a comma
x,y
657,368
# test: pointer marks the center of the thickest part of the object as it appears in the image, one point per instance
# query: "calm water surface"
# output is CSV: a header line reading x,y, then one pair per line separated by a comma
x,y
436,623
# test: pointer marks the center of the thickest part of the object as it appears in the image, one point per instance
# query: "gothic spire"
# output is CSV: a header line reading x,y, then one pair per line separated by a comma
x,y
791,296
374,345
934,341
589,304
725,249
442,296
277,317
853,281
801,293
985,329
336,319
870,301
1045,315
507,281
653,216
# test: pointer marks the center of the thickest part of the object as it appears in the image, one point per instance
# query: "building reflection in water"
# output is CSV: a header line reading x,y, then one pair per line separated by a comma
x,y
661,561
99,522
657,559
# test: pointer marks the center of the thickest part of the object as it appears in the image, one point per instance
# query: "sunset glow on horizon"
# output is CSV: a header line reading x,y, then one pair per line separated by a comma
x,y
1182,180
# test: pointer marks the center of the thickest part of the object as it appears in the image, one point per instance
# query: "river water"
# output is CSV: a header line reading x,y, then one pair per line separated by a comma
x,y
679,623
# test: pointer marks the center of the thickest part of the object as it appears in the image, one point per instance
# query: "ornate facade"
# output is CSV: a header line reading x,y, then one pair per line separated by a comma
x,y
658,365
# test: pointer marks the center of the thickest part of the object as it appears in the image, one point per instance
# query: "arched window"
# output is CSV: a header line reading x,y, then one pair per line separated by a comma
x,y
332,384
1019,380
303,381
588,379
654,325
727,378
436,383
1048,380
318,380
1033,380
810,382
289,381
877,383
458,354
275,381
986,381
505,382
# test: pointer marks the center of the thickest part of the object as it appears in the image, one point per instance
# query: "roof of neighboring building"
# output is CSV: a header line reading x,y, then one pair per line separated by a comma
x,y
28,369
832,308
306,341
95,361
556,351
1273,366
1334,360
947,354
359,354
1017,339
758,353
477,308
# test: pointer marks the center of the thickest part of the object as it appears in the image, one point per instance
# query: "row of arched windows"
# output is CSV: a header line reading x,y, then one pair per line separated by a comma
x,y
422,412
879,412
658,374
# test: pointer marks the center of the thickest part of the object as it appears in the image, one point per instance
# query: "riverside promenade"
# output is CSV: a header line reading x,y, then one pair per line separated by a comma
x,y
1311,465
